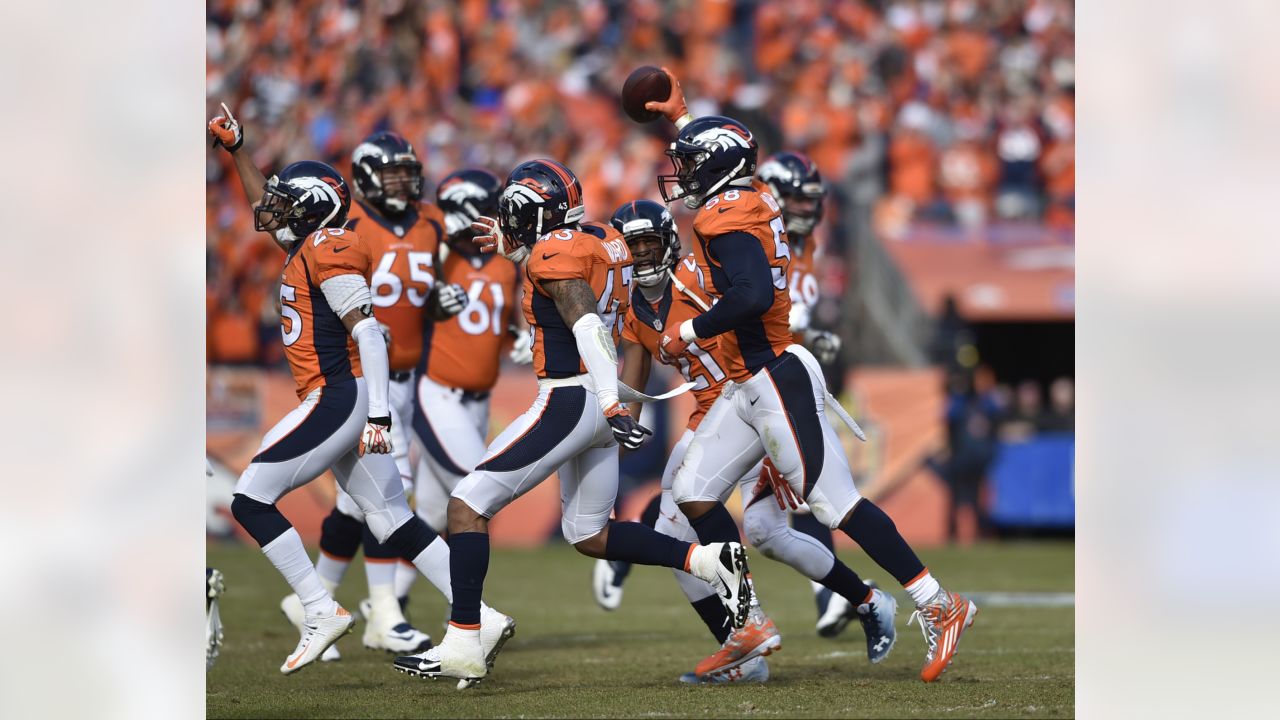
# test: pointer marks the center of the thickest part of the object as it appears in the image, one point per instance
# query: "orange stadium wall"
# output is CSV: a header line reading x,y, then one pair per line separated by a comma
x,y
902,410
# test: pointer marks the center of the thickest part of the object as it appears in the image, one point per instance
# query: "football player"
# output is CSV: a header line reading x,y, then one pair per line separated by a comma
x,y
669,291
794,181
576,282
741,246
338,358
404,236
459,367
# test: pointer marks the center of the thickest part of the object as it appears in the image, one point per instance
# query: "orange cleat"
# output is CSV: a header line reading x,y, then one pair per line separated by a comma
x,y
757,638
942,620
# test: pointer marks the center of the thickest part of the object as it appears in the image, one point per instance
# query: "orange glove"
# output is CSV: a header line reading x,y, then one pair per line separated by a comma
x,y
226,131
674,107
782,491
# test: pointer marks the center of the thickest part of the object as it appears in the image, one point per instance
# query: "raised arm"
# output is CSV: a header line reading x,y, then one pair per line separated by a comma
x,y
227,132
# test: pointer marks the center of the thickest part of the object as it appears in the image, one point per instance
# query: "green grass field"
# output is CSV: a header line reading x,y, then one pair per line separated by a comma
x,y
571,659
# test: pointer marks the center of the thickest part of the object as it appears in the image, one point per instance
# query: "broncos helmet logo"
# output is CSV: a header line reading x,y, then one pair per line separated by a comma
x,y
462,191
318,188
722,137
524,192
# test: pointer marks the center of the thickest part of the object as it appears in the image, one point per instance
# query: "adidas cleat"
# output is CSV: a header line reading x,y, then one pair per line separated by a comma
x,y
320,633
754,670
724,566
291,606
942,621
877,618
759,637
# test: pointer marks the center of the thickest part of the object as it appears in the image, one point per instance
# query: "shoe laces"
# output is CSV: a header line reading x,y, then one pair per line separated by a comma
x,y
928,615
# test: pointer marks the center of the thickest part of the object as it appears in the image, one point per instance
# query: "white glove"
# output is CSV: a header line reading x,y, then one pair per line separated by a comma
x,y
452,299
522,349
490,239
376,437
824,345
798,319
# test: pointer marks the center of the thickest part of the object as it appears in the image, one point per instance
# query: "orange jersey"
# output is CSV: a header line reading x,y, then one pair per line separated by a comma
x,y
703,363
803,284
404,252
755,213
463,351
317,344
595,253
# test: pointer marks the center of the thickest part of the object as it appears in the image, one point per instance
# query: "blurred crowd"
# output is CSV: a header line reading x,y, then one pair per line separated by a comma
x,y
950,111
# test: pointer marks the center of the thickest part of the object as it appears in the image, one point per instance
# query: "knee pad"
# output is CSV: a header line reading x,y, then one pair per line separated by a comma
x,y
340,534
375,550
758,527
262,520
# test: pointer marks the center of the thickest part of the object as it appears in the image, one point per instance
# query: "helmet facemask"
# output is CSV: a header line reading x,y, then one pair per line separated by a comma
x,y
523,227
683,182
398,183
802,211
651,257
275,210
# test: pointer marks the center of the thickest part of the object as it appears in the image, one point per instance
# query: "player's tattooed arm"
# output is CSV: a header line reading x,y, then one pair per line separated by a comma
x,y
636,365
573,298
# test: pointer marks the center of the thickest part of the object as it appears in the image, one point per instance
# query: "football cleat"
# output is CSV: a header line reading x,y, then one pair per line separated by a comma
x,y
754,670
606,582
942,621
724,566
213,587
759,637
459,655
840,612
291,606
495,630
320,634
877,618
388,630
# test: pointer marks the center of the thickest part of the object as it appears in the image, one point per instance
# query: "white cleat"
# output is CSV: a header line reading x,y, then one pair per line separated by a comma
x,y
459,655
388,630
291,606
495,630
753,670
608,594
840,612
320,633
724,565
213,587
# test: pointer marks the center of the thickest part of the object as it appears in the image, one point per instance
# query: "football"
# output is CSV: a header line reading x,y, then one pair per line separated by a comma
x,y
645,84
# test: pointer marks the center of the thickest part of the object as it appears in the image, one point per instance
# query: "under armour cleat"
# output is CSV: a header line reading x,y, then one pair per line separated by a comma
x,y
213,587
877,617
495,630
754,670
759,637
320,633
459,655
388,630
942,621
724,566
293,611
606,582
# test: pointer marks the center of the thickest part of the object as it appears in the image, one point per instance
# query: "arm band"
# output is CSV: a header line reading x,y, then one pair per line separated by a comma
x,y
345,293
373,360
601,358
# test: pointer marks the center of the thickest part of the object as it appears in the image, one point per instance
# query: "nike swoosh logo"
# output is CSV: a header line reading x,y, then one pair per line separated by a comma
x,y
723,209
294,661
340,249
753,402
401,636
548,257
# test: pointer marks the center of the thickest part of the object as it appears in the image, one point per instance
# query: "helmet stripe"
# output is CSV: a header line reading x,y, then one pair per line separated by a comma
x,y
574,193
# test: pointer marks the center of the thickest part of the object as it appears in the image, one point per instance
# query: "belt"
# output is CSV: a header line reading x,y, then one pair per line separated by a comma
x,y
583,380
401,376
472,395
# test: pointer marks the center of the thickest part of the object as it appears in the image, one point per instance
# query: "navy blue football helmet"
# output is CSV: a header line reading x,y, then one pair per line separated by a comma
x,y
463,196
304,197
647,219
538,197
390,192
795,182
709,153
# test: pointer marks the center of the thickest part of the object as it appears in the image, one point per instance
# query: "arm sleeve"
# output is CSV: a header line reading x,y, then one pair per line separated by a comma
x,y
750,291
373,360
595,345
345,293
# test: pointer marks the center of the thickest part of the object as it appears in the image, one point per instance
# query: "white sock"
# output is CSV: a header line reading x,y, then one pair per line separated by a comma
x,y
385,606
331,571
406,573
380,572
434,564
290,558
923,588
